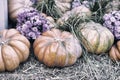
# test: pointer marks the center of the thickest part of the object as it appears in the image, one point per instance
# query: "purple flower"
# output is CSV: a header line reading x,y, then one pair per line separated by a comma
x,y
76,3
112,22
31,24
34,1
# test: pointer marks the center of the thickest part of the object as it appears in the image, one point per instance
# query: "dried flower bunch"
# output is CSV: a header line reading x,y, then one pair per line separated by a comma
x,y
31,23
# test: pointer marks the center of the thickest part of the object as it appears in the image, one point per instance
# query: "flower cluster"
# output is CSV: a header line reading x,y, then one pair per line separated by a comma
x,y
112,22
77,3
31,23
34,1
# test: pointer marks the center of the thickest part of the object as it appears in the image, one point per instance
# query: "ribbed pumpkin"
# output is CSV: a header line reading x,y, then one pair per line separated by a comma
x,y
56,48
63,5
54,8
14,49
17,6
78,12
115,51
112,6
96,38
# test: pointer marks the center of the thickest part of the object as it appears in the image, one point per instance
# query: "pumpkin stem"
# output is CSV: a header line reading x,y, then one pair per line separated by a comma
x,y
58,40
2,40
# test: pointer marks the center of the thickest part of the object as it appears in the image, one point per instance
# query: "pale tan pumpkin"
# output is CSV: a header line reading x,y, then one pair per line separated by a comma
x,y
96,38
63,5
56,48
77,12
115,52
14,49
112,6
17,6
54,8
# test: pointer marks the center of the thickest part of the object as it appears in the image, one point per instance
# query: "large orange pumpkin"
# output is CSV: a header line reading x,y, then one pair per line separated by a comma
x,y
14,49
56,48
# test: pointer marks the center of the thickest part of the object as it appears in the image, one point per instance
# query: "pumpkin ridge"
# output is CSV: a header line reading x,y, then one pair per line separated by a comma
x,y
97,45
58,62
6,64
16,50
44,59
25,55
55,50
8,32
40,40
85,36
37,46
56,53
117,53
49,34
23,39
14,8
2,58
116,57
67,58
67,53
39,53
109,41
3,34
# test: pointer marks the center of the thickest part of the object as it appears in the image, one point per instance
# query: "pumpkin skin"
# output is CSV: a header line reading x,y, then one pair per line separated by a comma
x,y
96,38
57,9
17,6
112,6
56,48
115,52
63,5
81,12
14,49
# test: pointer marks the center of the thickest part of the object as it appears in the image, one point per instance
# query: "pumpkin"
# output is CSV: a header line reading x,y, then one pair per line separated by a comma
x,y
17,6
78,12
112,6
63,5
56,48
54,8
115,52
96,38
14,49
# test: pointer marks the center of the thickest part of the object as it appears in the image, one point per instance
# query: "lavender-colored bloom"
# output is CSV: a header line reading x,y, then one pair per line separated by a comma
x,y
76,3
45,27
32,35
112,22
35,29
86,4
31,24
34,1
112,19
